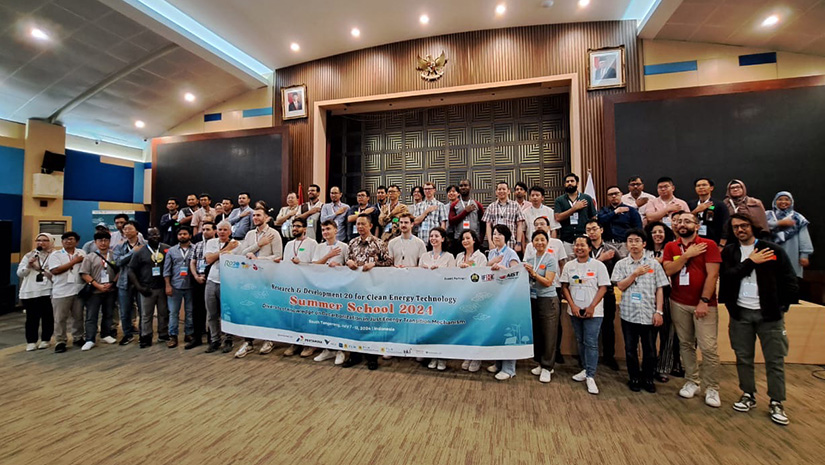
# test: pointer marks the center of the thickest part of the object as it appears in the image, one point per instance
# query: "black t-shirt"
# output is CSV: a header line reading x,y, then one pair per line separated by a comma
x,y
143,262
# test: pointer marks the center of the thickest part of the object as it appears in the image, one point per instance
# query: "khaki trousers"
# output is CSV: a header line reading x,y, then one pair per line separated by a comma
x,y
694,331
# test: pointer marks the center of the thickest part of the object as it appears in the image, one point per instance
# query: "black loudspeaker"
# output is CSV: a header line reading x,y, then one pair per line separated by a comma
x,y
7,291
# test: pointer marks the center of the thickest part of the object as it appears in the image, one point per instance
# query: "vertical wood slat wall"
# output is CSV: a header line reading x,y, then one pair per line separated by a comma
x,y
473,58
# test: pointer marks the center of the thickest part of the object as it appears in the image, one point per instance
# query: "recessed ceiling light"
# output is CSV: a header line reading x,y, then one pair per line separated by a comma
x,y
355,32
39,34
584,3
295,47
140,124
424,19
189,97
770,21
501,9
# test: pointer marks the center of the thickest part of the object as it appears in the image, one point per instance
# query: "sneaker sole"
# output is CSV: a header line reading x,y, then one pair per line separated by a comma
x,y
780,422
743,410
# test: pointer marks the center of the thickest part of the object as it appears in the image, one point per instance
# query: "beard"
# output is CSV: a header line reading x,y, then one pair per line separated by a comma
x,y
685,233
571,189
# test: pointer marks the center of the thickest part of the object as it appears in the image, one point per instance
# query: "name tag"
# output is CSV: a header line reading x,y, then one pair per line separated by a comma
x,y
533,293
591,274
184,271
104,277
636,297
684,277
355,229
750,289
71,278
311,223
574,219
387,228
201,266
703,230
579,296
155,271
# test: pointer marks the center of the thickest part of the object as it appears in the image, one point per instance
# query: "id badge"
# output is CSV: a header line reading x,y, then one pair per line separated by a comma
x,y
666,220
574,219
155,271
636,297
355,229
750,289
104,277
533,293
387,228
703,230
684,277
311,223
201,266
579,296
184,271
465,225
39,278
72,278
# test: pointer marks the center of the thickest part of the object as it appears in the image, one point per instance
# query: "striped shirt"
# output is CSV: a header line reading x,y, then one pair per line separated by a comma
x,y
639,300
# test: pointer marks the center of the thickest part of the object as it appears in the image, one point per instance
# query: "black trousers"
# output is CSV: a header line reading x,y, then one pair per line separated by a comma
x,y
39,314
635,333
198,310
608,330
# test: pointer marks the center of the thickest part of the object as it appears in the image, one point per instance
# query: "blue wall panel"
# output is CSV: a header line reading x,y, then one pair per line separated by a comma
x,y
81,213
11,171
667,68
137,190
757,59
11,209
86,178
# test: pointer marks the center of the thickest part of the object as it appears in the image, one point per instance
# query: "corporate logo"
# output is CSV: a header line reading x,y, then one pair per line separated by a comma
x,y
474,277
241,265
300,339
326,341
487,277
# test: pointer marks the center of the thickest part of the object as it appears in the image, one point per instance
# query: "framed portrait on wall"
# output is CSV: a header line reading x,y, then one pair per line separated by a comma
x,y
294,101
606,68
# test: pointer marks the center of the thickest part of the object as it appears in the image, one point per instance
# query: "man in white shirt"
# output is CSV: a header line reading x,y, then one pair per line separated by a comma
x,y
337,211
212,251
64,265
406,250
331,251
536,209
636,196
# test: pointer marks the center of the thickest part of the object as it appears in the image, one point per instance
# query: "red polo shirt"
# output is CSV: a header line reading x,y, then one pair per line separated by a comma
x,y
690,294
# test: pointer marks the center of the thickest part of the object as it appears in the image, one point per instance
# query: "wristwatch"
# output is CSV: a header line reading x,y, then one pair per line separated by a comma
x,y
705,300
659,312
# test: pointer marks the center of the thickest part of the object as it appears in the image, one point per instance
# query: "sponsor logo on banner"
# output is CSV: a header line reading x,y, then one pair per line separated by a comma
x,y
474,277
488,277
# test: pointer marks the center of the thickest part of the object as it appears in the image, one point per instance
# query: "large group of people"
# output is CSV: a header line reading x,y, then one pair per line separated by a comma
x,y
664,255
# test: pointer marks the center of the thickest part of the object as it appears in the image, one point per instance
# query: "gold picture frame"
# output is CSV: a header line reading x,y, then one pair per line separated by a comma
x,y
294,102
606,68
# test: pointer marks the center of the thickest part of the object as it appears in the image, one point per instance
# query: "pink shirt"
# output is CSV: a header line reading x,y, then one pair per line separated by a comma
x,y
657,205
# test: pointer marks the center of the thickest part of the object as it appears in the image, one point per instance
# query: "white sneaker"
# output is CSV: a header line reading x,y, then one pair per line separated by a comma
x,y
340,357
502,376
387,357
688,390
433,364
580,376
267,347
326,354
245,349
109,340
307,351
712,398
43,345
475,365
31,347
546,375
492,368
537,370
465,364
88,345
591,386
442,365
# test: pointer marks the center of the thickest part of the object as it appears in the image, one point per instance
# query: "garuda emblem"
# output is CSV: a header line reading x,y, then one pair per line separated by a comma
x,y
431,68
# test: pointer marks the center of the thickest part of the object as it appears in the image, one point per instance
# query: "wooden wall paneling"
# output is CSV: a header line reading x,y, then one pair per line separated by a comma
x,y
474,58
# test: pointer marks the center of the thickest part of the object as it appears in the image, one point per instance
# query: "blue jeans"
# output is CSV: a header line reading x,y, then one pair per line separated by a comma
x,y
587,335
125,297
174,311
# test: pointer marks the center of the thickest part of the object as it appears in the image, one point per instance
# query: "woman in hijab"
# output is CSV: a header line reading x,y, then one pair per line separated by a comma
x,y
737,201
790,231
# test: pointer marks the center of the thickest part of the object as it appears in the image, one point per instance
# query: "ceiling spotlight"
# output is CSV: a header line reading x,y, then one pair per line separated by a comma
x,y
501,9
355,32
770,21
295,47
189,97
424,19
39,34
140,124
584,3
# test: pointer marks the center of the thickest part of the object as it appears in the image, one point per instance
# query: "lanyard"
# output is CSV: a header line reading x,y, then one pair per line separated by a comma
x,y
295,248
735,208
572,202
154,255
43,263
537,260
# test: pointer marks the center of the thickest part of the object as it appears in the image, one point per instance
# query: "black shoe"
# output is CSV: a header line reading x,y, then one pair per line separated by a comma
x,y
227,346
79,343
192,344
677,373
213,347
126,340
559,358
351,362
661,377
60,348
649,386
163,339
372,365
145,342
188,338
634,386
611,363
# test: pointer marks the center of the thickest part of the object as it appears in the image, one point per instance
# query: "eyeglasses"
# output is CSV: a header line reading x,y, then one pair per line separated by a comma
x,y
741,226
613,194
429,188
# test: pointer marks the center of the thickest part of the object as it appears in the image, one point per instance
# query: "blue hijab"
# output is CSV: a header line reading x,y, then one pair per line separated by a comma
x,y
785,233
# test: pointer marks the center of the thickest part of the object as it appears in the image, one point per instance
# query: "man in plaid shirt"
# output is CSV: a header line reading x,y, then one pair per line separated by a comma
x,y
641,280
429,213
507,212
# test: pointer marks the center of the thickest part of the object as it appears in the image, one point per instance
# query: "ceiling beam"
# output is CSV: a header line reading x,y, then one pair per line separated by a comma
x,y
111,79
655,20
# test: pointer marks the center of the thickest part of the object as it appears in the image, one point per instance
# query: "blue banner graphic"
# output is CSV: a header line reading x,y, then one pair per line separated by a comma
x,y
469,313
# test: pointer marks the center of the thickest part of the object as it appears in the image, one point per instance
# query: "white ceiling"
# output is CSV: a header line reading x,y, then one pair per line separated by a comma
x,y
265,29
